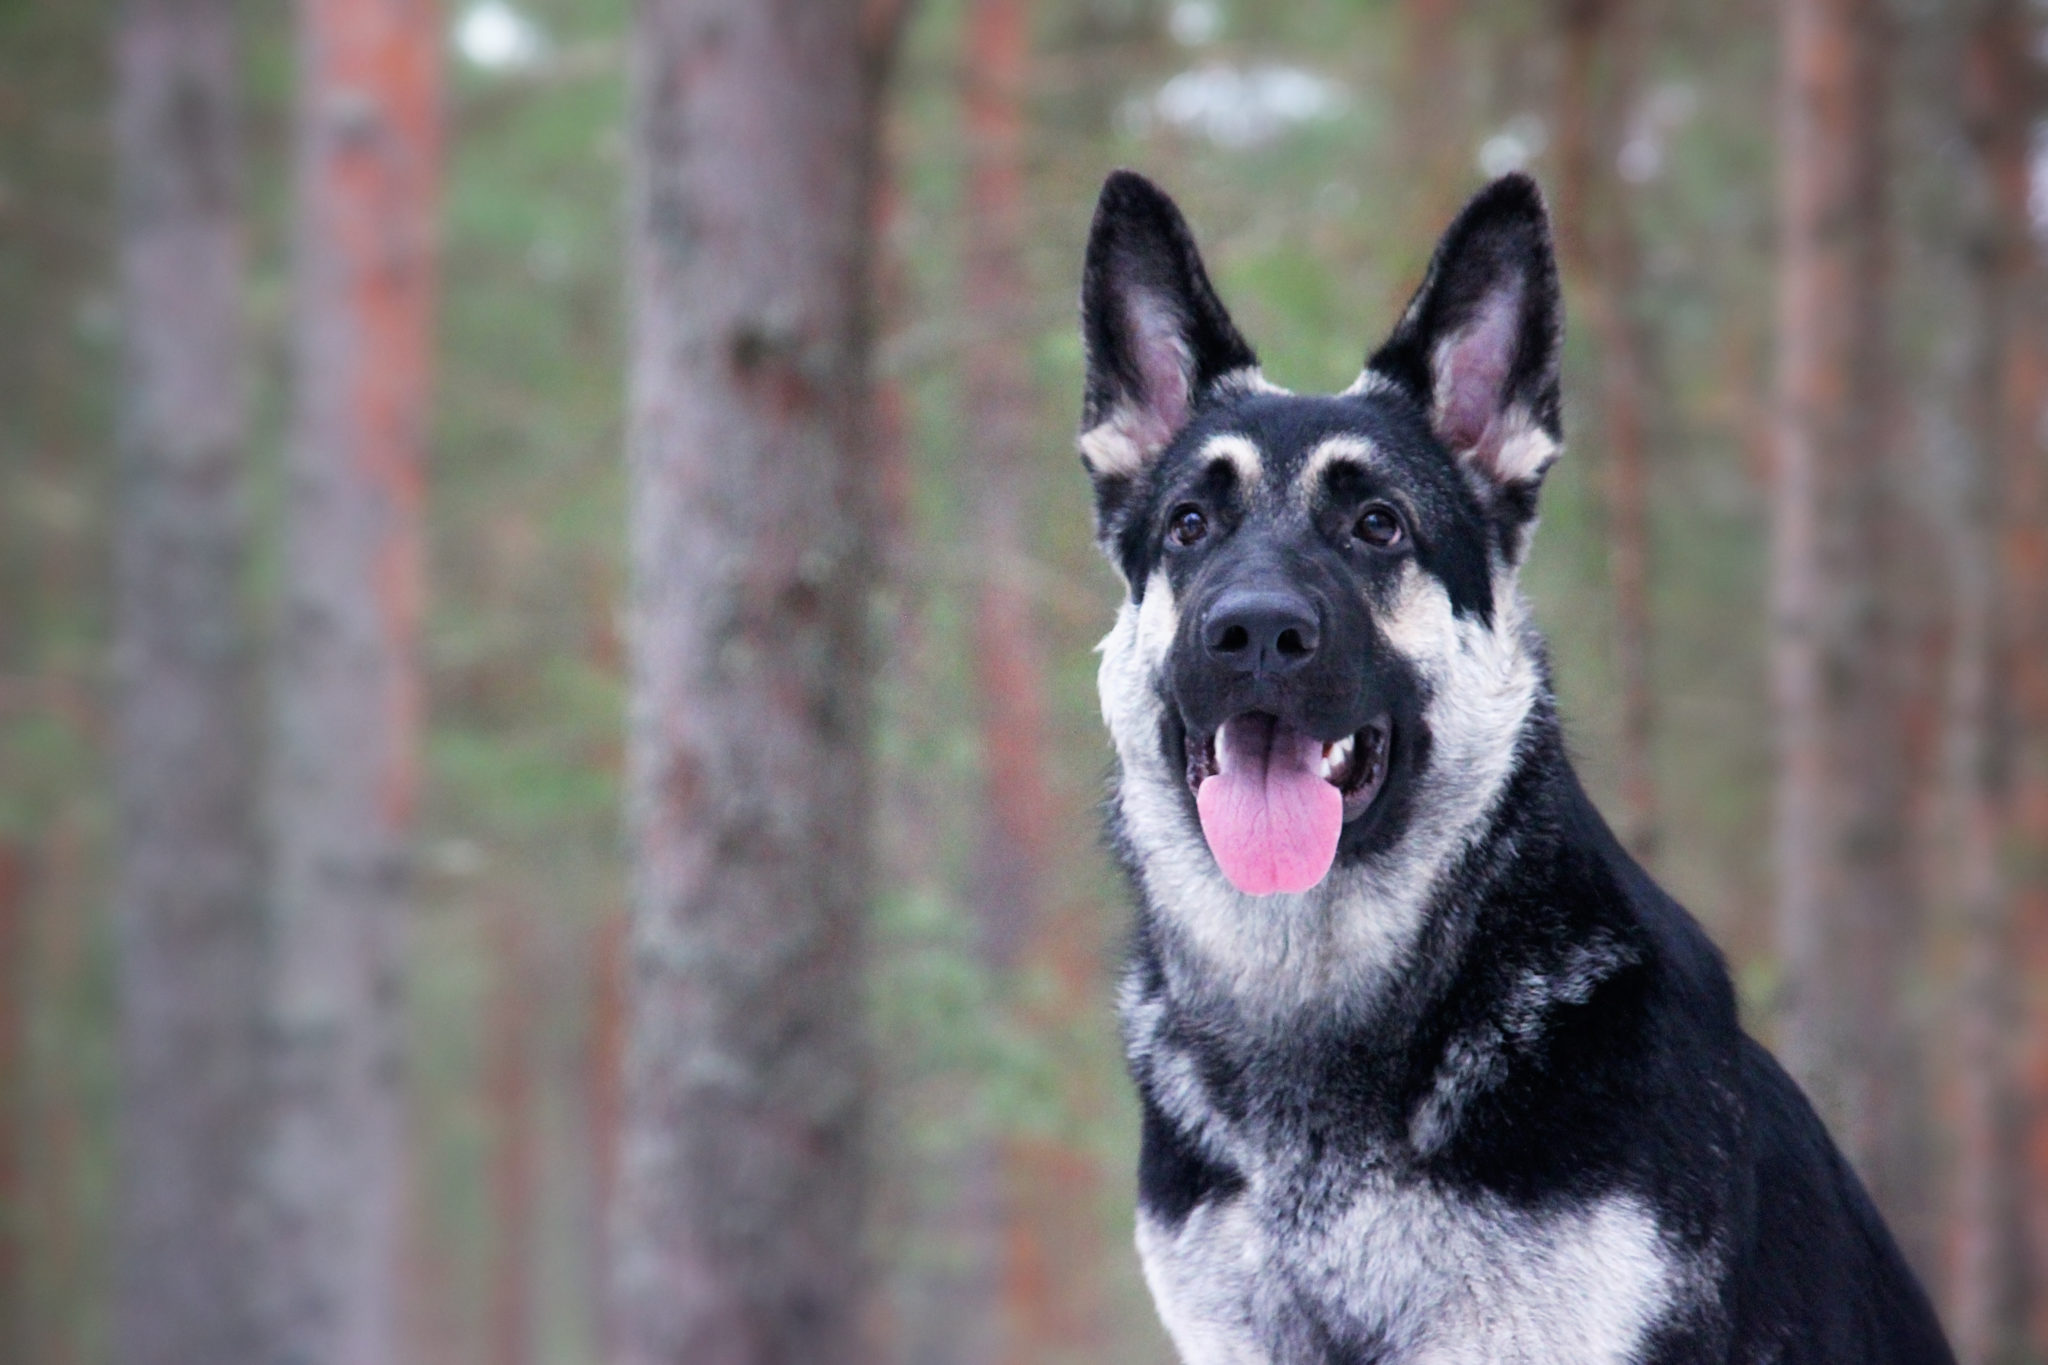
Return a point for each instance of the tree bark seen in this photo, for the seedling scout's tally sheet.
(14, 1111)
(186, 893)
(1036, 1188)
(1846, 902)
(738, 1214)
(1987, 1230)
(1581, 145)
(603, 1095)
(511, 1038)
(1598, 238)
(2015, 87)
(344, 764)
(1433, 143)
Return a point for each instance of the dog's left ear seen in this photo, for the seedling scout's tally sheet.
(1158, 339)
(1479, 349)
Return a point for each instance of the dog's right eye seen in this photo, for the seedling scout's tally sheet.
(1378, 525)
(1188, 523)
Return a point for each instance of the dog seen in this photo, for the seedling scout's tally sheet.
(1429, 1069)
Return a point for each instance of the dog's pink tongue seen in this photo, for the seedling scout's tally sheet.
(1270, 818)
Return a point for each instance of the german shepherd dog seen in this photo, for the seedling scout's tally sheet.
(1430, 1069)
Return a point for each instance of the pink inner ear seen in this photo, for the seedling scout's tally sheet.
(1472, 371)
(1163, 365)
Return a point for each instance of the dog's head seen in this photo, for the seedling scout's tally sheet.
(1322, 662)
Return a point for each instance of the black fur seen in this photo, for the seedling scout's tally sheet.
(1548, 1040)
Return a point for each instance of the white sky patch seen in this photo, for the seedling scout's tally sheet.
(1650, 127)
(1515, 146)
(1239, 107)
(1195, 23)
(494, 36)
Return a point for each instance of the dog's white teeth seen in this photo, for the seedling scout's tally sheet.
(1219, 754)
(1335, 756)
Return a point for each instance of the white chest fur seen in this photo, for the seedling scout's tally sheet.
(1430, 1278)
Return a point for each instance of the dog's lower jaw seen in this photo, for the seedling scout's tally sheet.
(1345, 938)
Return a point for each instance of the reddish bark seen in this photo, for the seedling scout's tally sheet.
(605, 1051)
(1009, 657)
(344, 752)
(186, 889)
(737, 1218)
(1045, 1285)
(1846, 908)
(1983, 1234)
(1598, 239)
(2014, 88)
(511, 1035)
(1580, 145)
(1432, 137)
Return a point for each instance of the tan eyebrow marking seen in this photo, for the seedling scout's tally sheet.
(1240, 452)
(1334, 450)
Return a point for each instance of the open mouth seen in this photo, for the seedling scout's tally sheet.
(1355, 765)
(1273, 800)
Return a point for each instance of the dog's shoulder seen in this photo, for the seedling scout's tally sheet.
(1816, 1275)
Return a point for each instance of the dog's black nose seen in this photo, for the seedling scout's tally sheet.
(1261, 631)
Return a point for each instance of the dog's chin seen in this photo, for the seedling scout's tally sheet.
(1355, 765)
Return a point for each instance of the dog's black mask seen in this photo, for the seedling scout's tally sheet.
(1305, 539)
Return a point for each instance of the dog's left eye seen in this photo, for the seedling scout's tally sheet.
(1379, 525)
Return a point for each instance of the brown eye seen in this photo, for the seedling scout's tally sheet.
(1189, 525)
(1378, 525)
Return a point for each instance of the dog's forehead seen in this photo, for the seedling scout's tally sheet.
(1287, 444)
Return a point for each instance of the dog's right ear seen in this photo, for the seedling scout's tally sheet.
(1157, 338)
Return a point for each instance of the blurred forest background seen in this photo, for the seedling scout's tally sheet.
(1794, 568)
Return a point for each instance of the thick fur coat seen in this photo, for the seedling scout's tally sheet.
(1431, 1070)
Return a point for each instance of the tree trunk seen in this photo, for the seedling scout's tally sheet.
(738, 1214)
(1434, 148)
(1846, 903)
(186, 892)
(511, 1038)
(1597, 234)
(604, 1051)
(14, 1111)
(1987, 1253)
(2016, 88)
(344, 764)
(1581, 145)
(1045, 1277)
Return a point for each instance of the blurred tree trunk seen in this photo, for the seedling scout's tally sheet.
(1581, 145)
(1008, 653)
(2015, 86)
(1846, 908)
(1433, 144)
(1602, 253)
(737, 1221)
(1984, 1240)
(511, 1037)
(186, 893)
(344, 762)
(66, 1290)
(2005, 331)
(605, 1052)
(14, 1090)
(1035, 1188)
